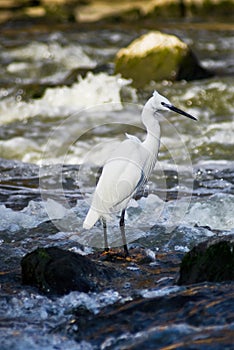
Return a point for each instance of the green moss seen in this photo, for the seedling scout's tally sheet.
(209, 8)
(42, 253)
(155, 65)
(60, 12)
(167, 10)
(214, 264)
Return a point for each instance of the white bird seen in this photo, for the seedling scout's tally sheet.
(129, 168)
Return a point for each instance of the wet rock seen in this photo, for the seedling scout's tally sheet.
(56, 271)
(157, 56)
(212, 261)
(118, 11)
(189, 8)
(151, 323)
(71, 78)
(127, 11)
(62, 10)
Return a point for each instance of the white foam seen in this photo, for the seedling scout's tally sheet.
(18, 147)
(93, 302)
(215, 212)
(157, 293)
(67, 56)
(29, 217)
(13, 221)
(221, 133)
(93, 90)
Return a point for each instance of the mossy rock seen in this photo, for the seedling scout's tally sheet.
(157, 56)
(211, 261)
(60, 10)
(211, 8)
(167, 9)
(56, 271)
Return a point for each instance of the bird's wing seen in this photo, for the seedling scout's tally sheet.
(121, 176)
(133, 138)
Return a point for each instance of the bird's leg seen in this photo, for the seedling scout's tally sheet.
(105, 235)
(122, 230)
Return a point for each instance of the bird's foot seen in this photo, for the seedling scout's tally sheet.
(114, 254)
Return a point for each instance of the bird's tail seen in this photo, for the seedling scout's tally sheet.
(91, 218)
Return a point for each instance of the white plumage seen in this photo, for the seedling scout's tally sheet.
(130, 165)
(120, 178)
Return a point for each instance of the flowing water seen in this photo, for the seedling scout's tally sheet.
(62, 111)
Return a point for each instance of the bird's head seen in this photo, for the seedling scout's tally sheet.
(160, 103)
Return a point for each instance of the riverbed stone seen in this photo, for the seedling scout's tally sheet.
(211, 261)
(56, 271)
(156, 56)
(116, 12)
(62, 10)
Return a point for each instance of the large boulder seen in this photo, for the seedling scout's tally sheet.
(56, 271)
(157, 56)
(212, 261)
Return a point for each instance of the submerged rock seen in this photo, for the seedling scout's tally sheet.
(157, 56)
(211, 261)
(56, 271)
(162, 321)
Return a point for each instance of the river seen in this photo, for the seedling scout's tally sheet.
(62, 111)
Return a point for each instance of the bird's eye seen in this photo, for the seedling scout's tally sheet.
(163, 103)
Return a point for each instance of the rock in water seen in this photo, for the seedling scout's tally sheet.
(57, 271)
(211, 261)
(157, 56)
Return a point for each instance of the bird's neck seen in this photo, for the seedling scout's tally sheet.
(151, 123)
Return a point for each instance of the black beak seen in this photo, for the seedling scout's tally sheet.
(177, 110)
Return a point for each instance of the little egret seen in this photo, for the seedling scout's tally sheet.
(128, 169)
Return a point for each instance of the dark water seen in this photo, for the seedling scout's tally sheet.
(191, 194)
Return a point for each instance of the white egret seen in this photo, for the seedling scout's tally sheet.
(129, 168)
